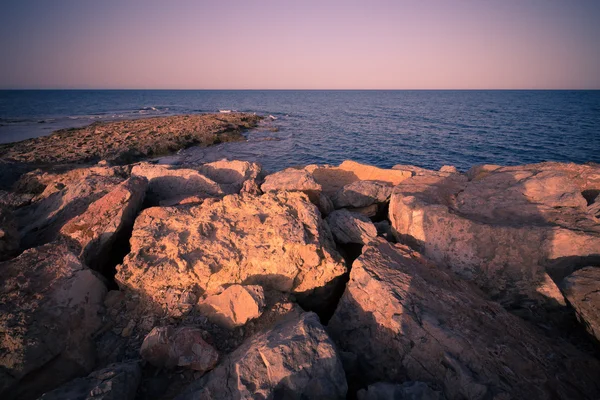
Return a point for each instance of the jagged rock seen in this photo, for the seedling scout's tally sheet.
(348, 227)
(95, 231)
(64, 197)
(9, 235)
(407, 319)
(294, 360)
(115, 382)
(362, 194)
(233, 175)
(368, 211)
(405, 391)
(451, 169)
(12, 200)
(418, 171)
(277, 240)
(169, 347)
(49, 305)
(235, 306)
(582, 290)
(166, 182)
(505, 228)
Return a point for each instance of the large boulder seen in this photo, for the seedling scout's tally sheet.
(232, 175)
(295, 359)
(115, 382)
(59, 199)
(49, 310)
(166, 182)
(349, 227)
(105, 221)
(277, 240)
(9, 235)
(407, 319)
(169, 347)
(582, 290)
(506, 228)
(235, 306)
(362, 194)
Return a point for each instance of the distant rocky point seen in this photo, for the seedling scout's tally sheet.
(219, 281)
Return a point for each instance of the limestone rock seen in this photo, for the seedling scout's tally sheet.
(505, 228)
(362, 194)
(95, 231)
(166, 182)
(9, 235)
(235, 306)
(63, 198)
(294, 360)
(49, 305)
(277, 240)
(368, 211)
(348, 227)
(332, 179)
(291, 180)
(407, 319)
(115, 382)
(169, 347)
(449, 169)
(582, 290)
(405, 391)
(418, 171)
(233, 175)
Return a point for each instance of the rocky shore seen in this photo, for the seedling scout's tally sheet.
(219, 281)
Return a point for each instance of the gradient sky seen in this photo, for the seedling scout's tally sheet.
(305, 44)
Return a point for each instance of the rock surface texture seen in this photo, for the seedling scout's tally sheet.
(115, 382)
(406, 319)
(405, 391)
(278, 241)
(294, 360)
(235, 306)
(349, 227)
(49, 310)
(506, 228)
(362, 194)
(582, 290)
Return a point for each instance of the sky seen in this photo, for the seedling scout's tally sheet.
(305, 44)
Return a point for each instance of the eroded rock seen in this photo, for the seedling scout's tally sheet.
(235, 306)
(582, 290)
(293, 360)
(277, 240)
(232, 176)
(362, 194)
(115, 382)
(348, 227)
(95, 231)
(49, 305)
(505, 228)
(406, 319)
(169, 347)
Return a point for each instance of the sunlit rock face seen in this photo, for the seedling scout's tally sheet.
(505, 228)
(406, 319)
(49, 310)
(295, 359)
(276, 240)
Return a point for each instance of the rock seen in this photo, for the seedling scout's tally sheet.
(166, 182)
(277, 240)
(182, 200)
(294, 360)
(480, 171)
(291, 180)
(115, 382)
(368, 211)
(9, 235)
(582, 290)
(418, 171)
(362, 194)
(12, 200)
(451, 169)
(405, 391)
(348, 227)
(49, 305)
(407, 319)
(235, 306)
(106, 220)
(232, 176)
(63, 198)
(170, 347)
(332, 179)
(504, 229)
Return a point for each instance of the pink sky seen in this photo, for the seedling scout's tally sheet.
(265, 44)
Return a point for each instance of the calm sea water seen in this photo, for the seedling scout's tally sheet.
(384, 128)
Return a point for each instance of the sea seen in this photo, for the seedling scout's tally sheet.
(383, 128)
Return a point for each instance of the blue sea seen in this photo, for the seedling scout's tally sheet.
(383, 128)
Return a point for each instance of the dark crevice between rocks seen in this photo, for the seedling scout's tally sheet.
(119, 249)
(590, 196)
(335, 290)
(382, 212)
